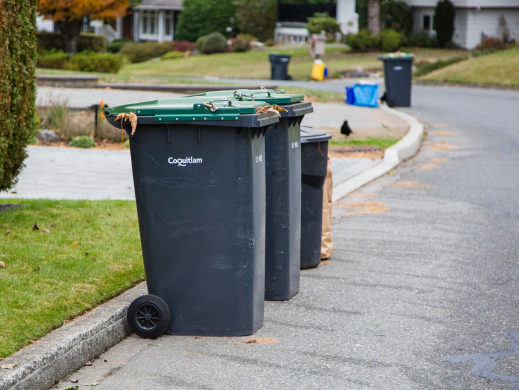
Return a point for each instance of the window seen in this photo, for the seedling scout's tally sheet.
(427, 22)
(168, 21)
(149, 22)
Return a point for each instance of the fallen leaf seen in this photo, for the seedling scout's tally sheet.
(93, 258)
(75, 243)
(440, 160)
(8, 232)
(440, 125)
(86, 253)
(93, 384)
(326, 262)
(35, 227)
(51, 226)
(89, 363)
(131, 117)
(13, 192)
(45, 231)
(370, 210)
(74, 381)
(446, 133)
(443, 147)
(52, 293)
(261, 340)
(428, 167)
(411, 184)
(88, 221)
(2, 264)
(109, 214)
(7, 366)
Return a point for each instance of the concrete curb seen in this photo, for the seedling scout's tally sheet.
(41, 364)
(394, 155)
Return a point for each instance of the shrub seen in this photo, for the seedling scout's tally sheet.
(431, 67)
(362, 41)
(172, 55)
(201, 17)
(88, 61)
(489, 43)
(145, 51)
(82, 142)
(116, 45)
(396, 15)
(184, 46)
(200, 43)
(422, 39)
(87, 42)
(214, 43)
(17, 86)
(242, 42)
(390, 40)
(323, 22)
(52, 59)
(444, 22)
(257, 18)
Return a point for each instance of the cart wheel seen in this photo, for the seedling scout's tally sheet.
(149, 316)
(390, 103)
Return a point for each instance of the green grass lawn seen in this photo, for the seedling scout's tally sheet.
(499, 68)
(381, 142)
(91, 253)
(255, 64)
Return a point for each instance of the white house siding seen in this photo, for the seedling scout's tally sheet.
(462, 22)
(418, 14)
(346, 16)
(486, 21)
(44, 25)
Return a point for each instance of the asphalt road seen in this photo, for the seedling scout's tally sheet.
(425, 269)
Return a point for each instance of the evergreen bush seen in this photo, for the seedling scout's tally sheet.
(444, 22)
(202, 17)
(362, 41)
(52, 59)
(88, 61)
(87, 42)
(214, 43)
(390, 40)
(145, 51)
(242, 42)
(200, 43)
(396, 15)
(17, 86)
(323, 22)
(82, 141)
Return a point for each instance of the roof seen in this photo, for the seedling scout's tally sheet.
(467, 3)
(161, 4)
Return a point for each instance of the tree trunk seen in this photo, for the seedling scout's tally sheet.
(374, 16)
(70, 30)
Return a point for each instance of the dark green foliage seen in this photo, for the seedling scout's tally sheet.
(17, 86)
(422, 39)
(257, 18)
(144, 51)
(444, 22)
(362, 41)
(82, 141)
(117, 45)
(396, 15)
(52, 59)
(87, 42)
(361, 7)
(323, 22)
(491, 43)
(202, 17)
(214, 43)
(428, 68)
(242, 42)
(390, 40)
(88, 61)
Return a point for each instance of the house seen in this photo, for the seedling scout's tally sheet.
(474, 19)
(155, 20)
(293, 16)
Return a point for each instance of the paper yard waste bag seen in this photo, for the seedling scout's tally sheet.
(326, 239)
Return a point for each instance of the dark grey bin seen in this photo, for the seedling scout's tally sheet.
(398, 80)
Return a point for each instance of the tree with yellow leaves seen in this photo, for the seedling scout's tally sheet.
(69, 14)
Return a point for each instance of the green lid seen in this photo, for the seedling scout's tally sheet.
(396, 56)
(196, 108)
(248, 95)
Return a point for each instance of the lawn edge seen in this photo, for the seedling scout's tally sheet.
(465, 85)
(66, 349)
(404, 149)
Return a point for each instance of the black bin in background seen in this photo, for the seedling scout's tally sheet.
(397, 77)
(279, 66)
(200, 192)
(314, 164)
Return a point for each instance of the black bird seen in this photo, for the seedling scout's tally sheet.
(345, 129)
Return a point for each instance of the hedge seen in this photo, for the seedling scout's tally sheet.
(17, 86)
(86, 61)
(87, 42)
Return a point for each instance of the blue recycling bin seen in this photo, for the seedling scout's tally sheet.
(366, 95)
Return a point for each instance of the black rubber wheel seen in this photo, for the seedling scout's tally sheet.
(149, 316)
(390, 103)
